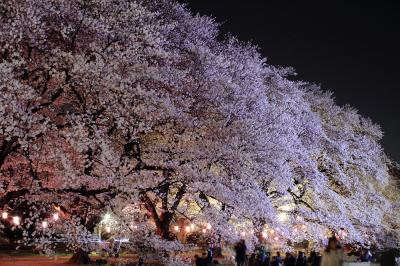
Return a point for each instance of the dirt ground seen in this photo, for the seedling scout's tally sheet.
(33, 261)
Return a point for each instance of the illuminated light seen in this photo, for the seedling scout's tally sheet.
(192, 226)
(208, 226)
(44, 224)
(176, 228)
(16, 220)
(276, 238)
(4, 215)
(56, 216)
(272, 231)
(264, 234)
(57, 208)
(204, 231)
(108, 229)
(243, 234)
(107, 217)
(187, 229)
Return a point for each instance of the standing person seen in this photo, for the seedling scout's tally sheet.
(279, 260)
(267, 260)
(261, 255)
(367, 256)
(240, 250)
(301, 259)
(274, 262)
(333, 255)
(210, 254)
(290, 260)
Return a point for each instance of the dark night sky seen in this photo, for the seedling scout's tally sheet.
(351, 48)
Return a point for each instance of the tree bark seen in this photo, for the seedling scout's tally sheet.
(80, 257)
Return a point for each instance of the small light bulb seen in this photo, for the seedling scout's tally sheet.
(108, 229)
(176, 228)
(16, 220)
(4, 215)
(44, 224)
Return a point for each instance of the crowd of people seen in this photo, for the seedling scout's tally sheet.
(333, 255)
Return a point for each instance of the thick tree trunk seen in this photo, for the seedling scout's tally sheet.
(163, 226)
(80, 257)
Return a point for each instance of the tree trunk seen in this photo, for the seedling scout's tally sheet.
(80, 257)
(163, 227)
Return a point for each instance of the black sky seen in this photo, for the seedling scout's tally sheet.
(351, 48)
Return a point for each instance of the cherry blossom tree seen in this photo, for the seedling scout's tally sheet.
(139, 109)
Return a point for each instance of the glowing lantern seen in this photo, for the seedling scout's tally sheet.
(107, 217)
(16, 220)
(44, 224)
